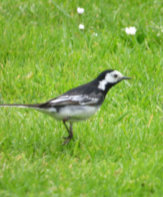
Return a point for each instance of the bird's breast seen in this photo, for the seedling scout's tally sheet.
(74, 113)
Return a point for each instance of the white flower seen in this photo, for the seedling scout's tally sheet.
(81, 26)
(80, 10)
(130, 30)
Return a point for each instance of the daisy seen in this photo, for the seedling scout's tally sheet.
(81, 27)
(130, 30)
(80, 10)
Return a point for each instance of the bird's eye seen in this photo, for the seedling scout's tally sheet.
(115, 75)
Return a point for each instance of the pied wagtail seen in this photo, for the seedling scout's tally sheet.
(78, 103)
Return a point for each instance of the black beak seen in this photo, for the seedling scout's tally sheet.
(126, 78)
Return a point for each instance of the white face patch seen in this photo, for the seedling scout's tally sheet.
(112, 77)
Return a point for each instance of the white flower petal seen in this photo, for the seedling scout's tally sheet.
(80, 10)
(130, 30)
(81, 26)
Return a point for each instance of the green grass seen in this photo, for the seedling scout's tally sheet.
(119, 151)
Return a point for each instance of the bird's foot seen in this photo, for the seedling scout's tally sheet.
(67, 140)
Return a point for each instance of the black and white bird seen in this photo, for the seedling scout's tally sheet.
(78, 103)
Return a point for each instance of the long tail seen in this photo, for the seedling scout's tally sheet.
(34, 106)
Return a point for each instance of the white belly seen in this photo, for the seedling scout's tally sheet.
(74, 113)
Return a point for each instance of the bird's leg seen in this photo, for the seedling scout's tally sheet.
(64, 122)
(70, 132)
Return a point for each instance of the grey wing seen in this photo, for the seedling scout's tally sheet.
(73, 100)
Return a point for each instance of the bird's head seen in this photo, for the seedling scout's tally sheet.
(109, 78)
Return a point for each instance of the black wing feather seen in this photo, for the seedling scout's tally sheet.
(82, 95)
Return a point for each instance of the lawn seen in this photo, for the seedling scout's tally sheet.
(117, 152)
